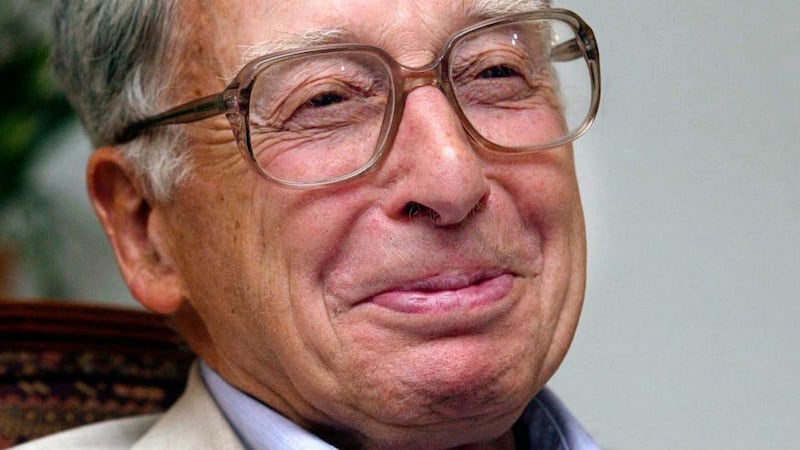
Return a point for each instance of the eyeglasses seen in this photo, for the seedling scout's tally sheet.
(327, 114)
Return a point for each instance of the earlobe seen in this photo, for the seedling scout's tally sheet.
(133, 226)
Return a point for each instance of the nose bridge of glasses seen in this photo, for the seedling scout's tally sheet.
(414, 78)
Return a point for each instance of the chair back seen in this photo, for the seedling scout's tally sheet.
(65, 364)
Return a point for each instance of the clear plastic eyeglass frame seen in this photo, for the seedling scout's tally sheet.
(234, 101)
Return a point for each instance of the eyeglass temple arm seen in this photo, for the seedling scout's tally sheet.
(566, 51)
(195, 110)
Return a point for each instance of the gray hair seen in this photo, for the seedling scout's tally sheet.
(110, 58)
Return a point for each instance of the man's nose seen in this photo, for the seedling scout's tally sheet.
(435, 172)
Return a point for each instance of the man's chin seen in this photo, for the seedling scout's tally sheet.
(449, 386)
(457, 432)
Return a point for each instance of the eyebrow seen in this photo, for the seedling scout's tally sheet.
(487, 9)
(332, 35)
(475, 11)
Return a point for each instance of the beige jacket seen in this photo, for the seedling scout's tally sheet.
(194, 422)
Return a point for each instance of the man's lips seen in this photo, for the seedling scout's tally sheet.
(446, 293)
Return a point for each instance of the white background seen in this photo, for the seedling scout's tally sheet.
(691, 328)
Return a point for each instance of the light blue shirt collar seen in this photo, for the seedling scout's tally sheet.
(546, 423)
(258, 426)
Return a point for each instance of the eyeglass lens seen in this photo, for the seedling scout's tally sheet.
(317, 117)
(510, 89)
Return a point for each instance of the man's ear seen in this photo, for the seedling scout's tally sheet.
(131, 223)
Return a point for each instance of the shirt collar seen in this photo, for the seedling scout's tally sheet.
(258, 426)
(545, 424)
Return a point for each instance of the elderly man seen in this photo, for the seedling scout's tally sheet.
(363, 215)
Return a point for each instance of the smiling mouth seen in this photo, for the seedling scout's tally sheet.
(445, 294)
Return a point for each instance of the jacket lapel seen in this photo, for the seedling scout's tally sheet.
(194, 421)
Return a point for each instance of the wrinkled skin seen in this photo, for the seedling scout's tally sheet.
(278, 289)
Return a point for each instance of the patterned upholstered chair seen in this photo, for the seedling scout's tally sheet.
(65, 364)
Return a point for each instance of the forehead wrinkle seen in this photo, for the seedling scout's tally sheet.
(474, 10)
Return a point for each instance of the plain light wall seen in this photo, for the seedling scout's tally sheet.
(691, 327)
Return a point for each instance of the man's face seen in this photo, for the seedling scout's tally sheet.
(343, 308)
